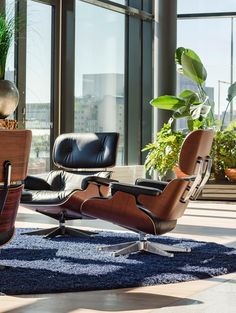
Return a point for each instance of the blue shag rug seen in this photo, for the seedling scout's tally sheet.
(73, 264)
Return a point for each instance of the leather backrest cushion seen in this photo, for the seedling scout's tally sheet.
(85, 150)
(61, 180)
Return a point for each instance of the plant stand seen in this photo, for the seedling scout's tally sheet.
(219, 190)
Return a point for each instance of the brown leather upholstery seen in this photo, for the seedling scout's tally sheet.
(15, 150)
(156, 213)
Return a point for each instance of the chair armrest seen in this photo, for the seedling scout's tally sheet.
(134, 189)
(151, 183)
(96, 180)
(36, 183)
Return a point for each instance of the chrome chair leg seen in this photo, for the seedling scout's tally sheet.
(143, 245)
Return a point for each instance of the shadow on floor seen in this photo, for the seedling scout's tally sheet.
(109, 301)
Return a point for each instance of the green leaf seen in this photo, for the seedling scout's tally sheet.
(193, 67)
(189, 95)
(190, 124)
(231, 92)
(178, 55)
(205, 110)
(168, 103)
(195, 111)
(182, 112)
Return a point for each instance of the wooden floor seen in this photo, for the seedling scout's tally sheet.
(209, 221)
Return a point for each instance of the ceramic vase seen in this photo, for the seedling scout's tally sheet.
(9, 98)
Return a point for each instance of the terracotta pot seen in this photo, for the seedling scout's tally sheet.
(8, 124)
(9, 98)
(230, 173)
(179, 173)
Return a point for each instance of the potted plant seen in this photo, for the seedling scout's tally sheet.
(9, 95)
(193, 106)
(224, 153)
(224, 146)
(163, 151)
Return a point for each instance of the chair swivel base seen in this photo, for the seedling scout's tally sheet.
(4, 267)
(61, 231)
(143, 245)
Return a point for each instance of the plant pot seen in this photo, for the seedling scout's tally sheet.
(9, 98)
(230, 173)
(8, 124)
(179, 173)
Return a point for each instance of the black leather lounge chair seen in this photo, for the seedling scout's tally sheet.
(82, 160)
(13, 162)
(152, 207)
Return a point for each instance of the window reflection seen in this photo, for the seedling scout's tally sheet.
(38, 84)
(214, 48)
(99, 71)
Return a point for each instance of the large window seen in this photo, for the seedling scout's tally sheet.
(205, 6)
(38, 83)
(83, 66)
(99, 71)
(213, 38)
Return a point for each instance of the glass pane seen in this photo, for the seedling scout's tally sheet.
(38, 84)
(99, 71)
(214, 48)
(203, 6)
(124, 2)
(10, 66)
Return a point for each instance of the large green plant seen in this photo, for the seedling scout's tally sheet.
(194, 106)
(7, 26)
(164, 151)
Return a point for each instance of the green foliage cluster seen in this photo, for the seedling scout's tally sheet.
(197, 109)
(163, 152)
(7, 28)
(224, 150)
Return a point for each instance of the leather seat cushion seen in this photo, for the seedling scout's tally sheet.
(49, 197)
(59, 185)
(61, 180)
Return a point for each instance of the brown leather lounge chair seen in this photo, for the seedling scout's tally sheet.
(13, 162)
(82, 160)
(152, 207)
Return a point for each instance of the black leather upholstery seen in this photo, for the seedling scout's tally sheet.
(58, 186)
(85, 150)
(134, 190)
(151, 183)
(82, 159)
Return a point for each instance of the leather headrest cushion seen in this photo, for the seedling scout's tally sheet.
(85, 150)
